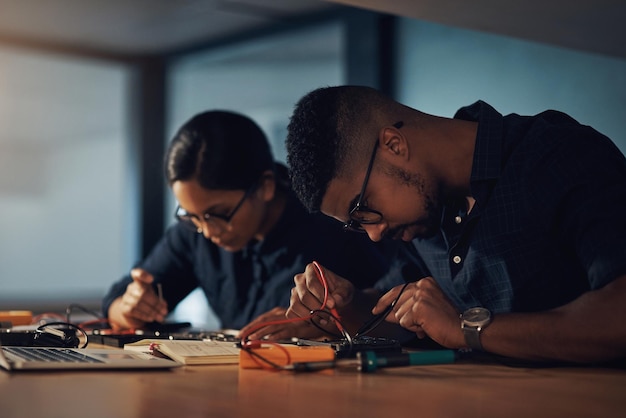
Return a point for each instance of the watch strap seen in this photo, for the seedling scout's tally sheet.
(472, 337)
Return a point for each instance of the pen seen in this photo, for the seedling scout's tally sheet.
(369, 361)
(160, 291)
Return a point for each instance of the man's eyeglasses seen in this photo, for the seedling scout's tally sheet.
(360, 214)
(214, 220)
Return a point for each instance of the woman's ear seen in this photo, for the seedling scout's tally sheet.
(267, 185)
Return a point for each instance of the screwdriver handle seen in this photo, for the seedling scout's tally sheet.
(370, 361)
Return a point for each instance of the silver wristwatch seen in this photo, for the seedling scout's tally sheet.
(473, 321)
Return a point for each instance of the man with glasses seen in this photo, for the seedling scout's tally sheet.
(513, 224)
(241, 234)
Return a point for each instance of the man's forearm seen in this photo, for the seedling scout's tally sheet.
(587, 330)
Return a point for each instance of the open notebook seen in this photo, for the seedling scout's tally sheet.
(44, 358)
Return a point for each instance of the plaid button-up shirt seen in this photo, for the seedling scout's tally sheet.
(549, 220)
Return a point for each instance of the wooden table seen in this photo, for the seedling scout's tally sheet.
(457, 390)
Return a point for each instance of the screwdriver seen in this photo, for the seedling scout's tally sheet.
(369, 361)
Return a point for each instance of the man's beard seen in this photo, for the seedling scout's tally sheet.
(426, 226)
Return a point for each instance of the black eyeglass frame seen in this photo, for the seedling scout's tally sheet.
(371, 216)
(212, 217)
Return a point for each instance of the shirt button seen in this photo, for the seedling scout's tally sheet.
(456, 259)
(458, 219)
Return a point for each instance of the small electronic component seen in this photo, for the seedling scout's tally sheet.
(349, 348)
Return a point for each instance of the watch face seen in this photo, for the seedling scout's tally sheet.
(476, 316)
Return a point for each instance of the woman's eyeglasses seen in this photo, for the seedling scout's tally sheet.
(214, 220)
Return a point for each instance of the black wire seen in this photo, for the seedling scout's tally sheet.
(375, 321)
(344, 333)
(367, 327)
(262, 358)
(68, 311)
(66, 324)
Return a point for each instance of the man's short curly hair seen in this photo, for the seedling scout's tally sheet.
(312, 140)
(325, 137)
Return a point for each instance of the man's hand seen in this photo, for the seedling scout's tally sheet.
(424, 309)
(308, 293)
(139, 304)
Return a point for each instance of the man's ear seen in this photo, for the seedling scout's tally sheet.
(394, 141)
(267, 185)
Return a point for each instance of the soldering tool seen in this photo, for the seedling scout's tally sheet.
(369, 361)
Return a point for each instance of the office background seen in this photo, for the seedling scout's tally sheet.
(82, 195)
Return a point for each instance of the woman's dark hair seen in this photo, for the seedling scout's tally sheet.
(221, 150)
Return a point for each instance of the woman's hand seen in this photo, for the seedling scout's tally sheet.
(139, 304)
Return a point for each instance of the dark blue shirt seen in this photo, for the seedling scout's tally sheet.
(549, 220)
(241, 285)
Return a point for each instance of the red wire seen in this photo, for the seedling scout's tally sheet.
(265, 324)
(322, 278)
(257, 343)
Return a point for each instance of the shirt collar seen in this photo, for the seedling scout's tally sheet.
(487, 161)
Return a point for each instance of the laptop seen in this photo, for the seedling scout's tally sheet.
(16, 358)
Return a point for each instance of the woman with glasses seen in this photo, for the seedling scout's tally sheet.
(241, 234)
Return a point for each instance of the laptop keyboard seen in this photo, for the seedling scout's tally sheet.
(51, 355)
